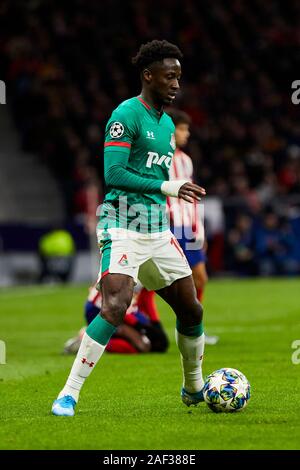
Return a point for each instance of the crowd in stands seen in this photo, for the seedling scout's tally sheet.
(67, 65)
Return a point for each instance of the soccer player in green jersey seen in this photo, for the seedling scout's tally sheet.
(133, 232)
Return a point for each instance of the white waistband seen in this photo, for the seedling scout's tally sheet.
(123, 233)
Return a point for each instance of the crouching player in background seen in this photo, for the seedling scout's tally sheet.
(140, 332)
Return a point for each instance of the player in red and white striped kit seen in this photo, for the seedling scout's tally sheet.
(185, 218)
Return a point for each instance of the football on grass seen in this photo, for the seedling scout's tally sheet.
(226, 390)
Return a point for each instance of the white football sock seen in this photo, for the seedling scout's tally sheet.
(191, 350)
(87, 357)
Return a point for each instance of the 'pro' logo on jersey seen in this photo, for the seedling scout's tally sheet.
(155, 159)
(116, 130)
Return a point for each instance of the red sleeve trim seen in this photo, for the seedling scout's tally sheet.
(117, 144)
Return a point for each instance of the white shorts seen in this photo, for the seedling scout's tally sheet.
(156, 259)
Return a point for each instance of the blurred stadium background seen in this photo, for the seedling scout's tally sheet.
(66, 65)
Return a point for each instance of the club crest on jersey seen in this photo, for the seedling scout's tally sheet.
(123, 261)
(116, 130)
(173, 142)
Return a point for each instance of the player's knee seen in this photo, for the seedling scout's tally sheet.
(197, 312)
(191, 314)
(113, 309)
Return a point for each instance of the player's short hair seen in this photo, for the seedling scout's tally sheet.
(179, 117)
(155, 51)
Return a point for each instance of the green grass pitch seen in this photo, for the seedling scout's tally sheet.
(133, 402)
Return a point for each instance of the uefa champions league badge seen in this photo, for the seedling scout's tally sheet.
(116, 130)
(173, 142)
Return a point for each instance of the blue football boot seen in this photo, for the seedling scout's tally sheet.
(191, 398)
(64, 406)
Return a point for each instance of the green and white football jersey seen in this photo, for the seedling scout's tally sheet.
(145, 140)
